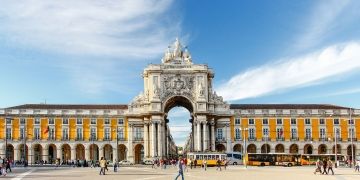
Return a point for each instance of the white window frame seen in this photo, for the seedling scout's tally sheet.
(237, 133)
(219, 133)
(324, 123)
(277, 123)
(309, 121)
(310, 133)
(51, 119)
(8, 132)
(322, 133)
(278, 135)
(121, 133)
(107, 133)
(292, 133)
(265, 132)
(253, 121)
(291, 121)
(354, 132)
(51, 133)
(93, 120)
(77, 133)
(237, 121)
(79, 120)
(120, 121)
(65, 120)
(35, 121)
(37, 133)
(252, 133)
(22, 120)
(107, 120)
(267, 121)
(337, 135)
(63, 130)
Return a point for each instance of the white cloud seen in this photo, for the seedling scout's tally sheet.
(293, 72)
(321, 22)
(344, 92)
(117, 28)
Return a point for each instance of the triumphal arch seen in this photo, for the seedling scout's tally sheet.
(177, 81)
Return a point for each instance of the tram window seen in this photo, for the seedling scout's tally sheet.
(191, 156)
(197, 157)
(217, 156)
(213, 157)
(201, 157)
(237, 156)
(222, 157)
(229, 155)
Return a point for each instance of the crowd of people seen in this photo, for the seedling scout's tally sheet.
(5, 166)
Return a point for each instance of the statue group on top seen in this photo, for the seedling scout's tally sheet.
(177, 54)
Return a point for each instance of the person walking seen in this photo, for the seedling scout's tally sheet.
(191, 163)
(102, 165)
(195, 163)
(116, 165)
(218, 164)
(180, 170)
(225, 163)
(357, 165)
(318, 166)
(7, 165)
(330, 165)
(324, 166)
(205, 164)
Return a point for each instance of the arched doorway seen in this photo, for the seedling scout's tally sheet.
(51, 153)
(139, 153)
(279, 148)
(80, 152)
(37, 153)
(108, 152)
(349, 151)
(322, 149)
(94, 152)
(10, 152)
(66, 152)
(338, 149)
(238, 148)
(220, 148)
(265, 148)
(21, 151)
(294, 148)
(251, 148)
(308, 149)
(122, 152)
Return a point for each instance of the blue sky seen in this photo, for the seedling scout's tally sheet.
(261, 51)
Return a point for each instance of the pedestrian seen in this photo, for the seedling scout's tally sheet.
(218, 164)
(324, 166)
(195, 163)
(225, 163)
(330, 165)
(153, 164)
(180, 170)
(191, 163)
(318, 166)
(205, 164)
(8, 165)
(102, 165)
(116, 164)
(357, 165)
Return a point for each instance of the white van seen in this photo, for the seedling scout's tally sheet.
(234, 158)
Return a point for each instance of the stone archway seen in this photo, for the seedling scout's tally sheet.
(308, 149)
(80, 152)
(94, 152)
(294, 149)
(338, 149)
(66, 152)
(322, 149)
(108, 152)
(238, 148)
(265, 148)
(220, 148)
(52, 150)
(37, 153)
(251, 148)
(10, 152)
(122, 152)
(279, 148)
(139, 153)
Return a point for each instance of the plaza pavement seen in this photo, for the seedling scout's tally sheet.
(146, 173)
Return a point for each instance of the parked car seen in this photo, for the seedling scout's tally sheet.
(148, 162)
(125, 162)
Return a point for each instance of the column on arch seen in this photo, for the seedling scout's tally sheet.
(146, 139)
(194, 138)
(130, 142)
(198, 134)
(205, 136)
(160, 134)
(228, 138)
(45, 153)
(73, 153)
(152, 138)
(212, 124)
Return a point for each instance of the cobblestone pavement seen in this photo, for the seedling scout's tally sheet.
(146, 173)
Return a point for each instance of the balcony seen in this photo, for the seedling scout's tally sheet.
(220, 140)
(238, 139)
(251, 139)
(338, 139)
(294, 139)
(280, 139)
(353, 139)
(121, 139)
(138, 139)
(308, 139)
(107, 139)
(323, 139)
(266, 139)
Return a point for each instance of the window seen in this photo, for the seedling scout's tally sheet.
(336, 122)
(251, 121)
(322, 121)
(120, 134)
(266, 132)
(22, 121)
(307, 133)
(121, 121)
(237, 121)
(107, 133)
(79, 133)
(219, 134)
(293, 121)
(8, 133)
(322, 133)
(37, 121)
(351, 133)
(51, 134)
(293, 133)
(65, 133)
(22, 133)
(93, 121)
(265, 121)
(138, 134)
(79, 121)
(65, 121)
(350, 121)
(37, 133)
(107, 121)
(279, 121)
(279, 133)
(307, 121)
(237, 133)
(93, 133)
(337, 133)
(51, 121)
(251, 133)
(8, 121)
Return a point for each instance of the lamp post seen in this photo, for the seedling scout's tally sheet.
(117, 143)
(245, 150)
(335, 147)
(352, 136)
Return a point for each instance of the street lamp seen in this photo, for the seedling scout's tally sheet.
(352, 136)
(117, 143)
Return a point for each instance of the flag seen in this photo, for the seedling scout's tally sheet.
(46, 130)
